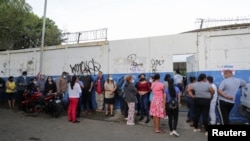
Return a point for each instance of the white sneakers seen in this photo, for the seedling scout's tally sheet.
(130, 123)
(197, 130)
(174, 133)
(206, 133)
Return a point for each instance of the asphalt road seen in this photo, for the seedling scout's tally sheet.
(18, 126)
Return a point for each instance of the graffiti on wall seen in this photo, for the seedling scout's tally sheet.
(156, 63)
(91, 66)
(136, 64)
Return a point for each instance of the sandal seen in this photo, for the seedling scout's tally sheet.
(160, 131)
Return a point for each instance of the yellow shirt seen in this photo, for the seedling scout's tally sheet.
(11, 86)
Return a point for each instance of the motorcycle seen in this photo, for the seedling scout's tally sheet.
(53, 105)
(31, 102)
(35, 102)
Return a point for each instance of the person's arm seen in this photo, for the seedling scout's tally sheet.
(91, 84)
(189, 91)
(221, 93)
(211, 90)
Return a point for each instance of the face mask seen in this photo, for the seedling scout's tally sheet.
(11, 80)
(64, 76)
(110, 78)
(132, 81)
(150, 80)
(85, 74)
(34, 82)
(49, 79)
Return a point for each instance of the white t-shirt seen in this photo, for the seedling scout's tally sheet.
(75, 92)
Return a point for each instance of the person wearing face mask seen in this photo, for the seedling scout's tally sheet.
(61, 84)
(50, 86)
(144, 89)
(109, 96)
(130, 97)
(21, 85)
(88, 82)
(10, 91)
(33, 87)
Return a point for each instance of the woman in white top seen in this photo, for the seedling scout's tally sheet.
(74, 90)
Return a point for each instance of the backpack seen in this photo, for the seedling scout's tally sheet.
(172, 104)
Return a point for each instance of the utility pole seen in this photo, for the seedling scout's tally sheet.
(43, 34)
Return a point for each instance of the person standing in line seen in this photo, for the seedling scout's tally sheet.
(157, 107)
(166, 78)
(88, 83)
(203, 94)
(212, 110)
(41, 83)
(61, 85)
(109, 96)
(10, 91)
(173, 92)
(74, 90)
(21, 85)
(99, 91)
(130, 97)
(190, 102)
(227, 91)
(144, 89)
(178, 79)
(79, 106)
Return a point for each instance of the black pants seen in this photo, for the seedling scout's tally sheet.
(201, 109)
(20, 98)
(87, 100)
(173, 119)
(224, 109)
(124, 107)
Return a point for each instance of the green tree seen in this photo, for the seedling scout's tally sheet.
(21, 28)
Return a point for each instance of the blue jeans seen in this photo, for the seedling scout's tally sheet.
(144, 105)
(191, 108)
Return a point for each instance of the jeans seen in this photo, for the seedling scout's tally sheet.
(144, 104)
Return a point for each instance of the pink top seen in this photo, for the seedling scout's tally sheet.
(157, 89)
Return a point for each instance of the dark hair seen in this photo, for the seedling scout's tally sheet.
(192, 78)
(156, 76)
(202, 77)
(171, 88)
(24, 72)
(11, 77)
(73, 81)
(210, 79)
(177, 71)
(167, 76)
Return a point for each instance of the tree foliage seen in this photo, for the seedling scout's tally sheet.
(21, 28)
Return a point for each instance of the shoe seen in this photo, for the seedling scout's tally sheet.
(197, 130)
(106, 114)
(130, 123)
(76, 121)
(141, 118)
(125, 118)
(159, 131)
(175, 133)
(188, 120)
(171, 133)
(206, 133)
(147, 121)
(166, 117)
(111, 115)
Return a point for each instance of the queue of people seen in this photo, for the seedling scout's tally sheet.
(149, 98)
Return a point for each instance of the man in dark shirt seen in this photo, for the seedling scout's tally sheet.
(88, 82)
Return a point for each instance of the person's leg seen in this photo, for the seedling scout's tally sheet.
(175, 118)
(126, 109)
(106, 109)
(212, 113)
(205, 112)
(197, 112)
(70, 118)
(84, 100)
(224, 111)
(146, 107)
(141, 108)
(170, 120)
(111, 109)
(90, 103)
(74, 108)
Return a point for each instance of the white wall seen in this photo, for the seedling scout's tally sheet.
(212, 50)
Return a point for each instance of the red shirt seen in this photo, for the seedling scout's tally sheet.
(143, 86)
(98, 87)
